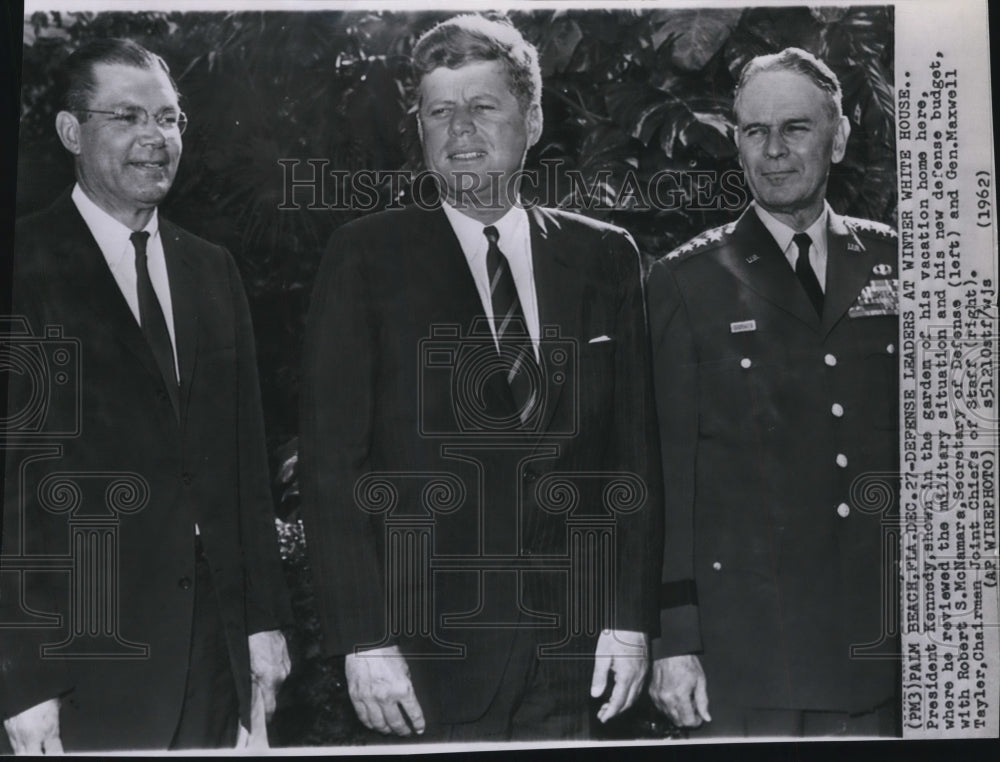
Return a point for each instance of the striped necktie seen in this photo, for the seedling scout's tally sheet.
(517, 355)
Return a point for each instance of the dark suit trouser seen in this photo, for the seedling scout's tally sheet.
(538, 699)
(210, 713)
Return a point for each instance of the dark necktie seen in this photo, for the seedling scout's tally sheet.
(807, 276)
(516, 352)
(154, 326)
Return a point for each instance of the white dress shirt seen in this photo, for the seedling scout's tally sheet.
(783, 234)
(113, 239)
(515, 243)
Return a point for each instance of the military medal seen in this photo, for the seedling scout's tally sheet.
(878, 298)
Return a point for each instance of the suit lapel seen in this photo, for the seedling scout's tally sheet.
(758, 262)
(184, 298)
(848, 268)
(439, 255)
(89, 277)
(558, 291)
(451, 296)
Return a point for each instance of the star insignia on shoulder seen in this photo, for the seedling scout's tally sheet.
(708, 237)
(861, 225)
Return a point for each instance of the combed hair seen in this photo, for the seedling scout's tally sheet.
(801, 62)
(75, 76)
(470, 38)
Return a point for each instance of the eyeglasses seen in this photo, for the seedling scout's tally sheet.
(133, 116)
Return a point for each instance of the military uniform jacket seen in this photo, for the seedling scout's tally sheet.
(780, 460)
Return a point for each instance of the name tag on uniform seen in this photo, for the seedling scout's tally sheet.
(742, 326)
(878, 298)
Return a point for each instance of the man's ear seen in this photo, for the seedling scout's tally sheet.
(68, 129)
(533, 123)
(841, 133)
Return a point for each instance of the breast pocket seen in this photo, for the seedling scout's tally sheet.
(595, 377)
(741, 380)
(880, 377)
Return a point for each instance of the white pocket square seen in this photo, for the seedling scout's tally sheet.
(599, 339)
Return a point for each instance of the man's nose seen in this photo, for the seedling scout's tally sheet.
(774, 145)
(152, 133)
(461, 122)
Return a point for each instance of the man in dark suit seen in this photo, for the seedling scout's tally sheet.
(142, 588)
(774, 345)
(479, 468)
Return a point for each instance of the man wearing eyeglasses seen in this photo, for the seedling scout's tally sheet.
(150, 614)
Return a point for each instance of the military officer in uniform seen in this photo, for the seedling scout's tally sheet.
(774, 351)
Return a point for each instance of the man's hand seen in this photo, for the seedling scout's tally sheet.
(35, 730)
(679, 690)
(379, 684)
(625, 653)
(269, 666)
(254, 739)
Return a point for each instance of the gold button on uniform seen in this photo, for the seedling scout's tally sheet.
(843, 510)
(745, 362)
(830, 360)
(837, 409)
(717, 566)
(891, 349)
(841, 460)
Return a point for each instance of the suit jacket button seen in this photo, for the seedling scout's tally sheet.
(841, 460)
(837, 409)
(843, 510)
(745, 363)
(184, 583)
(830, 360)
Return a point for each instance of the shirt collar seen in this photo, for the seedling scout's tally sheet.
(782, 233)
(470, 232)
(112, 237)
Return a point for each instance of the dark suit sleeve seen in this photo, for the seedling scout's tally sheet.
(25, 678)
(267, 606)
(338, 397)
(675, 373)
(639, 534)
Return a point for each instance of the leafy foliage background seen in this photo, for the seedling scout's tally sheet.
(627, 94)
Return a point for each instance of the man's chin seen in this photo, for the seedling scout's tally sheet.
(493, 199)
(486, 210)
(782, 203)
(152, 194)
